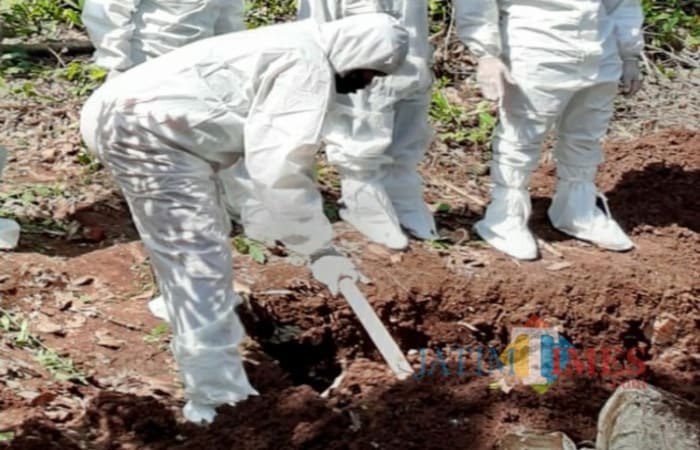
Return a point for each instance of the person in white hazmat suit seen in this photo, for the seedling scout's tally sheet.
(552, 64)
(377, 137)
(126, 33)
(165, 128)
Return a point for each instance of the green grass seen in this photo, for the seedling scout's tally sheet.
(60, 367)
(254, 249)
(24, 18)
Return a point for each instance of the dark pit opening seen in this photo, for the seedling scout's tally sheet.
(313, 363)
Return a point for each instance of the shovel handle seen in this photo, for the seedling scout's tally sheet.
(386, 345)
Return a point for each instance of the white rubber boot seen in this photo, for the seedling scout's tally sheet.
(574, 210)
(369, 209)
(504, 225)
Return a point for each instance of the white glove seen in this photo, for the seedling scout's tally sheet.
(492, 76)
(331, 267)
(631, 77)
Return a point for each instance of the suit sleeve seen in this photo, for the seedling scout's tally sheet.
(282, 137)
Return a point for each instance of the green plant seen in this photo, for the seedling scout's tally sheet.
(443, 208)
(157, 333)
(481, 134)
(266, 12)
(6, 436)
(23, 18)
(60, 367)
(254, 249)
(447, 117)
(672, 24)
(85, 77)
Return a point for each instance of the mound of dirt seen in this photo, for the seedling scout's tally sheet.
(435, 300)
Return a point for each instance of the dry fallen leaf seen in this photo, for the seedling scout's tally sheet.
(83, 281)
(47, 326)
(378, 250)
(43, 399)
(397, 258)
(75, 322)
(104, 339)
(64, 300)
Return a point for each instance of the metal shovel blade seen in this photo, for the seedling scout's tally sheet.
(377, 332)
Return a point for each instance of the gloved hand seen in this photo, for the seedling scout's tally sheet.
(330, 267)
(492, 76)
(631, 77)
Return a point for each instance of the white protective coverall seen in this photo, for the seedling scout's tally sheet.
(9, 229)
(566, 59)
(126, 33)
(165, 128)
(378, 136)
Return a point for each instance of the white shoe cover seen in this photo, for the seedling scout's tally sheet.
(574, 212)
(158, 309)
(9, 234)
(405, 189)
(504, 225)
(369, 210)
(199, 414)
(211, 368)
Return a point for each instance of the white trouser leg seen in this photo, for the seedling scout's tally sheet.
(578, 153)
(527, 113)
(176, 205)
(404, 185)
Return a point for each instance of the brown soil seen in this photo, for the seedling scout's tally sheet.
(431, 298)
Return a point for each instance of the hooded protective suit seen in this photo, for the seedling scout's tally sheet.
(559, 71)
(126, 33)
(378, 136)
(167, 127)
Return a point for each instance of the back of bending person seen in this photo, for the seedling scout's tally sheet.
(166, 128)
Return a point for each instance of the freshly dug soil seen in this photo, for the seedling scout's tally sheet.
(433, 300)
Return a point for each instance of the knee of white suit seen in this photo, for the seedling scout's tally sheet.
(578, 153)
(356, 138)
(412, 132)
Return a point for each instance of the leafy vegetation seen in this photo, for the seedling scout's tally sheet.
(254, 249)
(18, 330)
(24, 18)
(673, 24)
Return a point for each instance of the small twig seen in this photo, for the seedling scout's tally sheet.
(48, 48)
(120, 323)
(446, 47)
(550, 248)
(478, 201)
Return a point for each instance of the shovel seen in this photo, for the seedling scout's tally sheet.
(377, 332)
